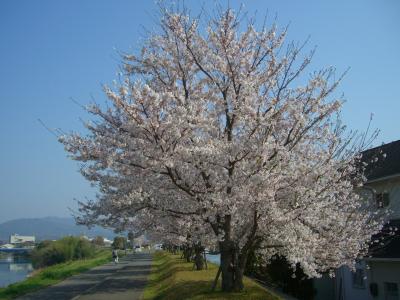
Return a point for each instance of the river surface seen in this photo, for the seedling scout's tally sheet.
(214, 258)
(13, 268)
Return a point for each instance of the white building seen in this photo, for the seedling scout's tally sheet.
(7, 246)
(20, 239)
(107, 242)
(377, 277)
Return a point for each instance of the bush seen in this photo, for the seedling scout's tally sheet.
(54, 252)
(299, 286)
(120, 242)
(279, 272)
(98, 241)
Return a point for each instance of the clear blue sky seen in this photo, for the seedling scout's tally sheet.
(51, 51)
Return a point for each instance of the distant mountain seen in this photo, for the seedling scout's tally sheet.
(49, 228)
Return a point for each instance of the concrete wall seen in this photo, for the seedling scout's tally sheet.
(384, 271)
(341, 287)
(349, 291)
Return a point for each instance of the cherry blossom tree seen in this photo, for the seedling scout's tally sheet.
(215, 128)
(125, 209)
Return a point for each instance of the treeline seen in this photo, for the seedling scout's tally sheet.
(48, 253)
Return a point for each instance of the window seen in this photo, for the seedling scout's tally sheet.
(391, 291)
(358, 279)
(382, 200)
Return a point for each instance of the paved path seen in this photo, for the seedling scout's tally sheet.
(125, 280)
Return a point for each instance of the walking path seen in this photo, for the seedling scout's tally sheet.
(126, 280)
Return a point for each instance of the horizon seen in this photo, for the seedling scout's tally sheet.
(53, 52)
(35, 218)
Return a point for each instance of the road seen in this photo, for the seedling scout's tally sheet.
(126, 280)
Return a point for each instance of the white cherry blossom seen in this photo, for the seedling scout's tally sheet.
(210, 136)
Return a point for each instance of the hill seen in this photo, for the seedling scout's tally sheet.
(49, 228)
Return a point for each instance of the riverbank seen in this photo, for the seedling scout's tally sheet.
(53, 274)
(172, 278)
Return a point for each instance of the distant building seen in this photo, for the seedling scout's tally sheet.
(21, 239)
(85, 237)
(7, 246)
(107, 242)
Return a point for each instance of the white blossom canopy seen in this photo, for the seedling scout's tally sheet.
(216, 129)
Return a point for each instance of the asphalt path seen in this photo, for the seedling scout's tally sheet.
(125, 280)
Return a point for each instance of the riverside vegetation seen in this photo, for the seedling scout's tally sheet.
(48, 253)
(56, 261)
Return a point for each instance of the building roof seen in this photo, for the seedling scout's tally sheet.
(388, 161)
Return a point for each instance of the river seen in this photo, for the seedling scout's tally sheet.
(214, 258)
(13, 268)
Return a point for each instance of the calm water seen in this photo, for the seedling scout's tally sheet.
(214, 258)
(13, 268)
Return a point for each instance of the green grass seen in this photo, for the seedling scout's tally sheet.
(53, 274)
(172, 278)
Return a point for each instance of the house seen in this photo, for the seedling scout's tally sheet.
(21, 239)
(376, 277)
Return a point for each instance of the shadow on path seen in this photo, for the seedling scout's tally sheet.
(125, 280)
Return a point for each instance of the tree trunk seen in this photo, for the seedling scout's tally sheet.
(205, 259)
(233, 259)
(227, 265)
(239, 271)
(187, 252)
(238, 283)
(216, 279)
(233, 263)
(199, 260)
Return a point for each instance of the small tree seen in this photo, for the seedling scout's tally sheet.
(131, 236)
(119, 243)
(98, 241)
(215, 129)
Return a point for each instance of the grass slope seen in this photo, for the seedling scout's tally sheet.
(53, 274)
(172, 278)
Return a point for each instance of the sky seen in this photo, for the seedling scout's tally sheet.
(55, 51)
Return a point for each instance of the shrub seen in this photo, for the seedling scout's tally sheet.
(279, 272)
(98, 241)
(69, 248)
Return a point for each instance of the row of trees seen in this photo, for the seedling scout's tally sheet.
(213, 136)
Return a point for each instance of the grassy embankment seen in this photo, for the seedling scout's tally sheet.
(53, 274)
(172, 278)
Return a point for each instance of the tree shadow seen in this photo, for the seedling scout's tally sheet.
(202, 289)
